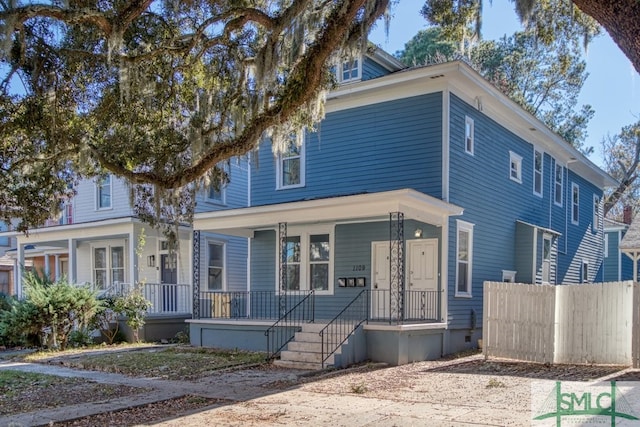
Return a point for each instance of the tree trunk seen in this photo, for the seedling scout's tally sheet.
(621, 19)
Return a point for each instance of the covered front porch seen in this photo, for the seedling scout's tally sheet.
(371, 262)
(112, 256)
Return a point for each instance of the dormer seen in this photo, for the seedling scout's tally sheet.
(370, 65)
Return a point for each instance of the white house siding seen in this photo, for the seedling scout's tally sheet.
(84, 203)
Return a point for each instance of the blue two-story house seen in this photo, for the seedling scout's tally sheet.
(381, 227)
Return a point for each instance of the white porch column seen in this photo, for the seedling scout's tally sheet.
(72, 247)
(19, 270)
(56, 267)
(133, 258)
(47, 269)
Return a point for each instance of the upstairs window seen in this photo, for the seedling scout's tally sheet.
(575, 203)
(596, 213)
(515, 167)
(103, 193)
(538, 162)
(468, 135)
(349, 70)
(291, 164)
(558, 179)
(215, 194)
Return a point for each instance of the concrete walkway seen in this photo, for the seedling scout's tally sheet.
(234, 386)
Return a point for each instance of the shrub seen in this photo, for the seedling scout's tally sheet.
(133, 306)
(50, 311)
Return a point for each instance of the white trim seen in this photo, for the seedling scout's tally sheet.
(361, 207)
(468, 123)
(444, 271)
(606, 245)
(620, 256)
(575, 204)
(446, 144)
(515, 160)
(540, 193)
(468, 228)
(305, 262)
(595, 227)
(583, 279)
(339, 67)
(557, 165)
(545, 237)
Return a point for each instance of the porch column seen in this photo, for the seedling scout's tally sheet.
(396, 266)
(47, 269)
(72, 246)
(282, 267)
(56, 267)
(133, 257)
(19, 270)
(195, 256)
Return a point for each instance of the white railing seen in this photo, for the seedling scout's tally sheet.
(587, 323)
(165, 298)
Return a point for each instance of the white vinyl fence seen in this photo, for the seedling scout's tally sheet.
(587, 323)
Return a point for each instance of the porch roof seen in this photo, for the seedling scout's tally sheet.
(362, 207)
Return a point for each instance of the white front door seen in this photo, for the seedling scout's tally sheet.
(423, 265)
(380, 280)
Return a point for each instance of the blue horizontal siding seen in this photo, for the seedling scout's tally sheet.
(381, 147)
(372, 70)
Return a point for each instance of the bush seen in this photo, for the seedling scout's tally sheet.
(133, 306)
(50, 311)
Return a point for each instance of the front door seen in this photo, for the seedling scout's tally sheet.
(421, 297)
(169, 280)
(380, 283)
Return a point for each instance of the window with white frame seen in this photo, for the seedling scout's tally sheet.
(103, 193)
(606, 245)
(575, 203)
(596, 213)
(538, 164)
(584, 274)
(515, 167)
(546, 258)
(349, 70)
(509, 276)
(309, 261)
(559, 181)
(291, 163)
(215, 267)
(468, 135)
(216, 194)
(108, 266)
(464, 258)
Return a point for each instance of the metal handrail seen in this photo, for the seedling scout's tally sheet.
(339, 325)
(291, 319)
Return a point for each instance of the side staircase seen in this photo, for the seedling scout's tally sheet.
(305, 350)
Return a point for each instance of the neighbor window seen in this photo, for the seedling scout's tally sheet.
(538, 162)
(291, 163)
(108, 266)
(508, 276)
(596, 213)
(464, 258)
(558, 179)
(309, 261)
(103, 193)
(215, 195)
(575, 203)
(585, 271)
(515, 167)
(546, 258)
(215, 274)
(468, 135)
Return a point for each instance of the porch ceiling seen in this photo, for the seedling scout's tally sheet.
(361, 207)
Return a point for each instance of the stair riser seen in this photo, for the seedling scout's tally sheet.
(308, 347)
(298, 365)
(296, 356)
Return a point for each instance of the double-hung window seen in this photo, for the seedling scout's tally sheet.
(215, 266)
(103, 193)
(538, 164)
(215, 194)
(464, 258)
(349, 70)
(468, 135)
(108, 266)
(559, 180)
(309, 261)
(291, 163)
(596, 213)
(575, 203)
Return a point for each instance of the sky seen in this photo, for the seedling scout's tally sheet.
(612, 88)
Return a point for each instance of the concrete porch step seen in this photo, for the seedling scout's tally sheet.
(306, 357)
(298, 365)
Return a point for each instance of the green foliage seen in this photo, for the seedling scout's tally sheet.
(427, 47)
(132, 306)
(50, 311)
(160, 93)
(621, 155)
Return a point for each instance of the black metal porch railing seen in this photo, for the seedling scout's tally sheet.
(418, 306)
(285, 328)
(343, 325)
(252, 305)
